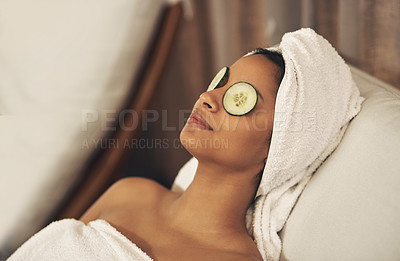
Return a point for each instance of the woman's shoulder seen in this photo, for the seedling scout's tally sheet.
(132, 192)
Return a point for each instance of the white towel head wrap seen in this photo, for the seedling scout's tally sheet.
(315, 102)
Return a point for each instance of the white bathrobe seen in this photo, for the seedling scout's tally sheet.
(72, 240)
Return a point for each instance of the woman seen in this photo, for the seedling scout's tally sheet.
(216, 217)
(207, 221)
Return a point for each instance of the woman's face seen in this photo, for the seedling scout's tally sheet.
(211, 134)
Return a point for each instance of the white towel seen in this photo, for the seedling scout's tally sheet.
(315, 102)
(70, 239)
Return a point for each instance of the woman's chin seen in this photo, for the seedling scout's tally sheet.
(195, 143)
(206, 149)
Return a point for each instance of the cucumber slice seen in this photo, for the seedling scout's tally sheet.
(219, 79)
(240, 99)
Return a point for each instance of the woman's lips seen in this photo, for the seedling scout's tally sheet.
(196, 119)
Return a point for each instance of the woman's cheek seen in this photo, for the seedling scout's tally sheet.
(260, 121)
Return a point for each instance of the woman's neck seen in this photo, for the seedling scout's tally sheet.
(216, 202)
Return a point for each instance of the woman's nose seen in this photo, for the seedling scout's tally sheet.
(209, 101)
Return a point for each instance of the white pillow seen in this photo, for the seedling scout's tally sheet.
(185, 176)
(350, 208)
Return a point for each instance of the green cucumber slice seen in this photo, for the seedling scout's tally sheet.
(240, 99)
(219, 79)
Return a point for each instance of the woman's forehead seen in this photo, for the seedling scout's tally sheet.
(256, 70)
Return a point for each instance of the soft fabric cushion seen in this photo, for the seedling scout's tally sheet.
(350, 210)
(66, 68)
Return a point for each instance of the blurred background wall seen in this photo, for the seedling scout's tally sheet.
(215, 33)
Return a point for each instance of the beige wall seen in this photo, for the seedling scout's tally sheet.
(365, 32)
